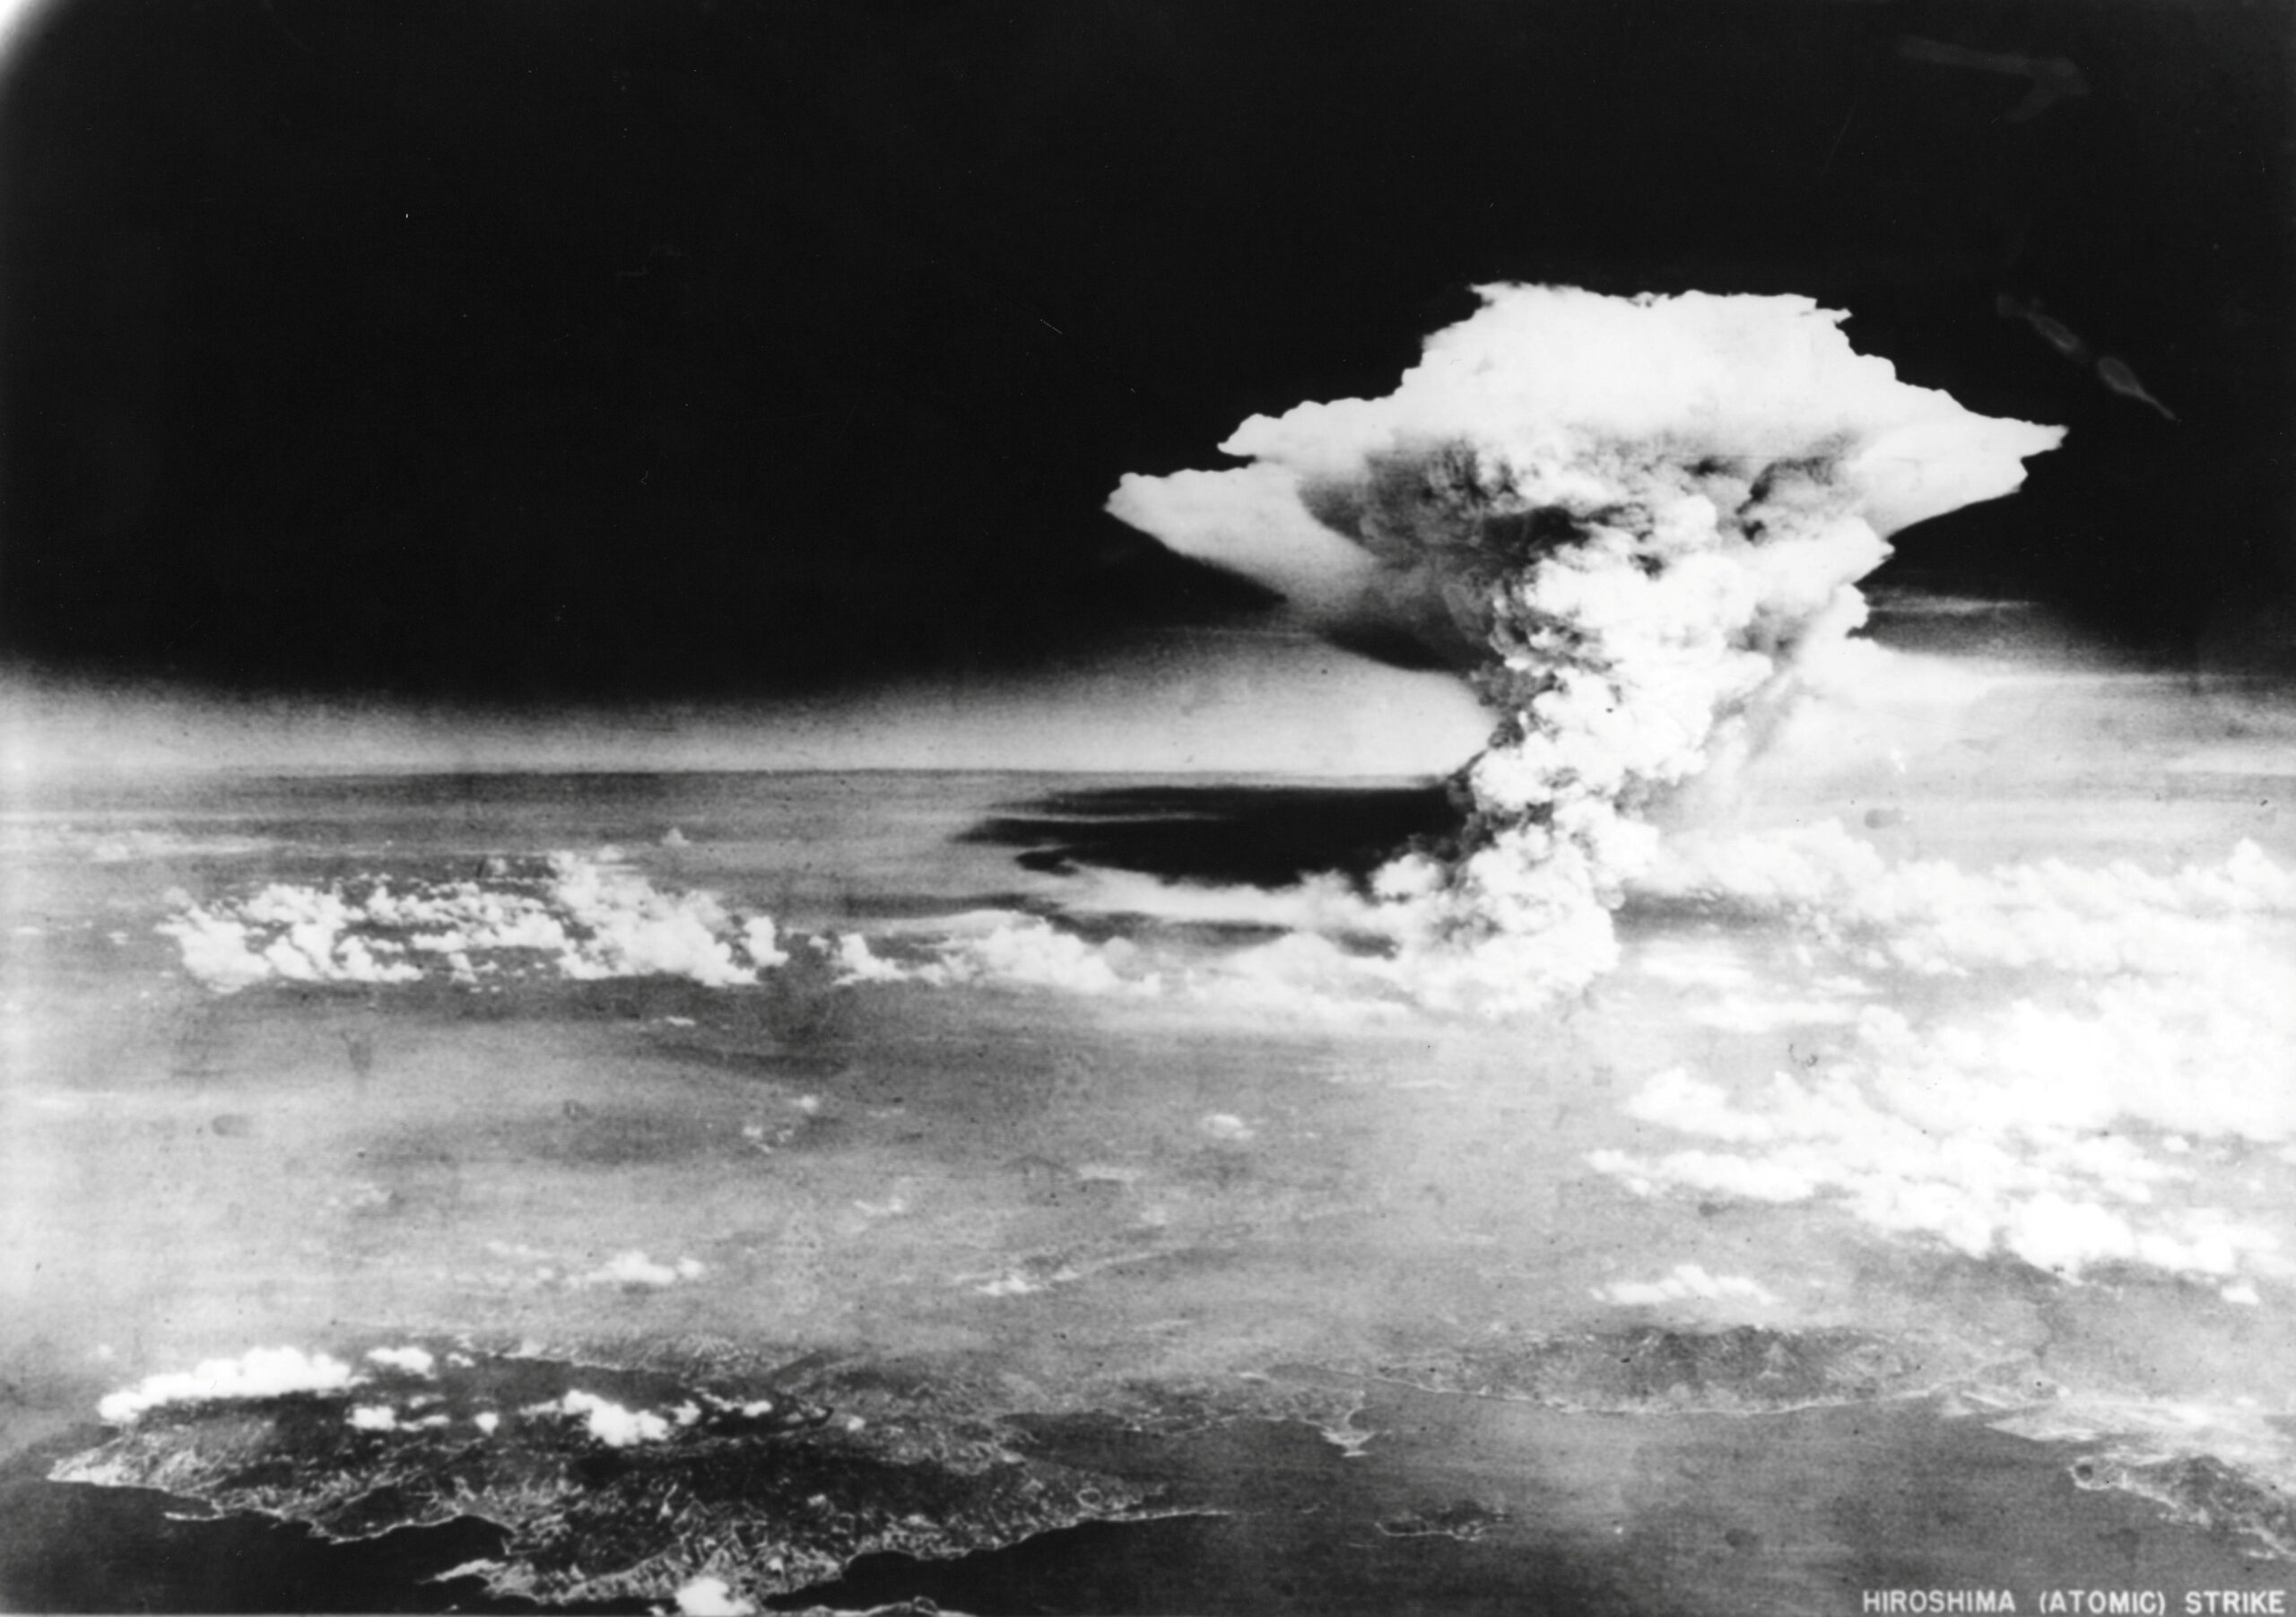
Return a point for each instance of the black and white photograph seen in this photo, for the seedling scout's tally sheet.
(1148, 808)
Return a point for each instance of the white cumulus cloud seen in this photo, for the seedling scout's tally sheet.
(1684, 1282)
(711, 1596)
(571, 915)
(257, 1373)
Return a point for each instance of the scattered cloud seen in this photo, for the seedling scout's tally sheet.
(257, 1373)
(609, 1423)
(414, 1360)
(567, 915)
(1684, 1282)
(634, 1268)
(711, 1598)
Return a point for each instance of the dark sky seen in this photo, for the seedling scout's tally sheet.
(463, 348)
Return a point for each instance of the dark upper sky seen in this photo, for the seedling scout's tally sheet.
(459, 347)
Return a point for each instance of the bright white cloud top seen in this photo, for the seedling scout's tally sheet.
(257, 1373)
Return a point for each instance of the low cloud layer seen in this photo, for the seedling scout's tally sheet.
(566, 914)
(257, 1373)
(2067, 1065)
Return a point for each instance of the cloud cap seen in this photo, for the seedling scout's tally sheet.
(1548, 381)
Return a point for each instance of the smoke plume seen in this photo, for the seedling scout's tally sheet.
(1631, 520)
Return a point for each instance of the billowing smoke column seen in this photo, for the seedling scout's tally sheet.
(1633, 519)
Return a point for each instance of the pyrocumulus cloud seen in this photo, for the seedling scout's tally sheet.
(1633, 518)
